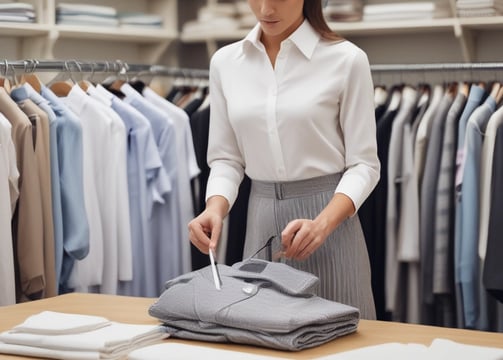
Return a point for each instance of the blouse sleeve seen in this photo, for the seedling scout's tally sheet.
(357, 119)
(224, 156)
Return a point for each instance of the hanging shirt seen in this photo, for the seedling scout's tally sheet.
(75, 242)
(41, 121)
(145, 176)
(119, 158)
(187, 167)
(28, 221)
(467, 264)
(24, 92)
(166, 235)
(9, 176)
(101, 154)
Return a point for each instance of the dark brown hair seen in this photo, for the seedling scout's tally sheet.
(314, 14)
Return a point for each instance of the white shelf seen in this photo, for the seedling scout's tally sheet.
(123, 34)
(482, 23)
(43, 39)
(218, 35)
(23, 30)
(463, 29)
(347, 29)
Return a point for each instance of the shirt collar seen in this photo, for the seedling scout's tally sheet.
(305, 38)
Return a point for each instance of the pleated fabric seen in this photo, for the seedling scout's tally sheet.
(341, 263)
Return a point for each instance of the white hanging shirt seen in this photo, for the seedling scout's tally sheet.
(9, 176)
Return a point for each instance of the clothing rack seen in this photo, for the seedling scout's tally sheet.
(123, 68)
(391, 74)
(436, 67)
(76, 66)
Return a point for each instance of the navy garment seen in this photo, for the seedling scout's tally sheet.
(373, 219)
(493, 268)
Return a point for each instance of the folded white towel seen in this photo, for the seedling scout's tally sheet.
(53, 323)
(73, 336)
(114, 337)
(34, 351)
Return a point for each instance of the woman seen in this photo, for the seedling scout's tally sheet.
(292, 107)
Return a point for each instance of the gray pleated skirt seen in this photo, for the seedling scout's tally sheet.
(341, 263)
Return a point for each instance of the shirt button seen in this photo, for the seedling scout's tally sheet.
(250, 289)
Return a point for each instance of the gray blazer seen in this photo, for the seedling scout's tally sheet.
(261, 303)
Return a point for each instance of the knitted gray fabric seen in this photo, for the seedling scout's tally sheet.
(261, 303)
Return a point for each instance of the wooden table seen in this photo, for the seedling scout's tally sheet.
(135, 310)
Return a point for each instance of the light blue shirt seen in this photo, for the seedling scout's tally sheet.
(145, 177)
(164, 222)
(474, 99)
(467, 265)
(75, 244)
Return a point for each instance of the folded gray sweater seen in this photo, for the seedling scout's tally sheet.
(261, 303)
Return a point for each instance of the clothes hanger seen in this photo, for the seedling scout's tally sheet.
(60, 84)
(495, 88)
(499, 96)
(30, 77)
(138, 82)
(85, 84)
(4, 80)
(113, 83)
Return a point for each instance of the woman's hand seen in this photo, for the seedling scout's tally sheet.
(301, 238)
(205, 229)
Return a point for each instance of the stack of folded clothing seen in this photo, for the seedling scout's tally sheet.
(290, 316)
(140, 20)
(214, 17)
(17, 12)
(473, 8)
(84, 14)
(343, 10)
(404, 11)
(71, 336)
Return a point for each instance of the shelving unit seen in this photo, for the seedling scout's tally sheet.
(460, 35)
(451, 39)
(42, 39)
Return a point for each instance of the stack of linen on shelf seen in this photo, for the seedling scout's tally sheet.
(71, 336)
(140, 20)
(213, 17)
(17, 12)
(404, 11)
(473, 8)
(222, 18)
(343, 10)
(84, 14)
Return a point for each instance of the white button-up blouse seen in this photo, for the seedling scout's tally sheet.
(310, 115)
